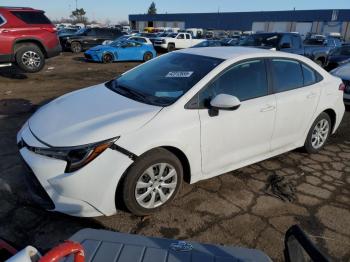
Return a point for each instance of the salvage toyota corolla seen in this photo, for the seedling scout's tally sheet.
(184, 116)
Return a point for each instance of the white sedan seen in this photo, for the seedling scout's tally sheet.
(184, 116)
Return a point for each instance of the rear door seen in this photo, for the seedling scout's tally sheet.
(297, 96)
(5, 40)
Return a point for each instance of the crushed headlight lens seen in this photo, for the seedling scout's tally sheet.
(76, 157)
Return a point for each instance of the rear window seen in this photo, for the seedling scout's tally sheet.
(2, 20)
(32, 18)
(287, 75)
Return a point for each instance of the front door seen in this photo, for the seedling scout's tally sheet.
(232, 138)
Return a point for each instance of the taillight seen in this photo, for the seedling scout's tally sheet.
(342, 87)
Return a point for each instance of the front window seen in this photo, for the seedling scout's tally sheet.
(245, 81)
(164, 80)
(268, 40)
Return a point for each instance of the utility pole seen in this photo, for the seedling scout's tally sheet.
(76, 4)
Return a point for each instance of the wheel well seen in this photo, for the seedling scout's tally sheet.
(333, 117)
(321, 58)
(171, 44)
(184, 161)
(177, 152)
(20, 43)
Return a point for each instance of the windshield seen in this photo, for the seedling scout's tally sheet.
(270, 40)
(81, 31)
(164, 80)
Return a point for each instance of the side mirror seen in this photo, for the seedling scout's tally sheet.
(298, 247)
(285, 45)
(225, 102)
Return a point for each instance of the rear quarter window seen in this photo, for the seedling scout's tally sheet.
(32, 18)
(2, 20)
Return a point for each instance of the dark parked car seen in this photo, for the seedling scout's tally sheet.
(343, 72)
(67, 31)
(232, 41)
(287, 42)
(338, 56)
(27, 38)
(320, 40)
(86, 38)
(208, 43)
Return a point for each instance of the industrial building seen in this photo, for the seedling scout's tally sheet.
(302, 21)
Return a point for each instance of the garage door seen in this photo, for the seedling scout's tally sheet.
(303, 28)
(279, 27)
(258, 27)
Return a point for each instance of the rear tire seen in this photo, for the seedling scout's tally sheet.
(319, 62)
(146, 187)
(171, 47)
(147, 56)
(30, 58)
(75, 47)
(318, 134)
(107, 59)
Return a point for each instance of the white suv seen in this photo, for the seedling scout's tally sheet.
(188, 115)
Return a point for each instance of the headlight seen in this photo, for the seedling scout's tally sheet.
(76, 157)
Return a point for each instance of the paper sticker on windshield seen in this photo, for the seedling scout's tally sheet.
(180, 74)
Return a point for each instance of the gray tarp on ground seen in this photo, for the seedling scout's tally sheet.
(104, 246)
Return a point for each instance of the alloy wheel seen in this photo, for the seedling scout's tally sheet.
(31, 59)
(320, 134)
(156, 185)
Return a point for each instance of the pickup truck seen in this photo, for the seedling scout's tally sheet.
(290, 43)
(176, 41)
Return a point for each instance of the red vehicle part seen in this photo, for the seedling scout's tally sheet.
(65, 250)
(27, 34)
(5, 246)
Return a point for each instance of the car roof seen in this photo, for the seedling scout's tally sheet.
(228, 53)
(14, 8)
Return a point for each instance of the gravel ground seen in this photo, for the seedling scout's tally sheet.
(232, 209)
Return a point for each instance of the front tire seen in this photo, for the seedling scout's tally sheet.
(107, 59)
(152, 182)
(318, 134)
(30, 58)
(76, 47)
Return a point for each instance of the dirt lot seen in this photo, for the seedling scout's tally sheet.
(232, 209)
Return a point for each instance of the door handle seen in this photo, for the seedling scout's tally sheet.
(4, 31)
(267, 109)
(311, 95)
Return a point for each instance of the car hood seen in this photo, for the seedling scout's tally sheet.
(342, 72)
(89, 115)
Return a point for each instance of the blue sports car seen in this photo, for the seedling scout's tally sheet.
(121, 51)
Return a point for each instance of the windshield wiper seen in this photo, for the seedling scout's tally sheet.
(133, 93)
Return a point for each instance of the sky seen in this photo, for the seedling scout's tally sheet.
(116, 10)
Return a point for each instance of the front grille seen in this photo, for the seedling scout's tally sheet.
(38, 193)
